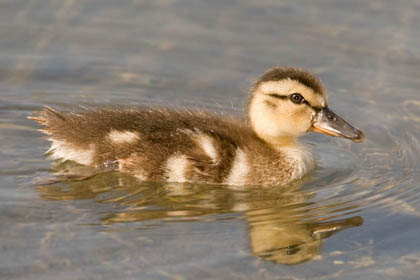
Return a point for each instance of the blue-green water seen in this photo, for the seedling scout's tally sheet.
(356, 217)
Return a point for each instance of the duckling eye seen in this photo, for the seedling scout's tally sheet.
(297, 98)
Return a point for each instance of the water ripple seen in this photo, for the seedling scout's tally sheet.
(379, 175)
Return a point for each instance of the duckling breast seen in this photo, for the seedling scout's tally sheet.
(271, 167)
(301, 159)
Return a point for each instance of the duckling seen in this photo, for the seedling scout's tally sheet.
(185, 145)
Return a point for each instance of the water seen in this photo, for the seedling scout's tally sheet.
(356, 217)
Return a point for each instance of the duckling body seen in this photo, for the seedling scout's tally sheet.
(175, 145)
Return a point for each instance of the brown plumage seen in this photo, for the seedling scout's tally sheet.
(162, 144)
(162, 133)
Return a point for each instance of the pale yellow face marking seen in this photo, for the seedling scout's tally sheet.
(287, 87)
(280, 120)
(121, 137)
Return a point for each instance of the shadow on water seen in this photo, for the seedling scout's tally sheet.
(283, 225)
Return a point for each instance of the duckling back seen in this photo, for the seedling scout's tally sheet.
(165, 145)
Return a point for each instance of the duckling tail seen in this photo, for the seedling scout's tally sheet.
(45, 116)
(48, 117)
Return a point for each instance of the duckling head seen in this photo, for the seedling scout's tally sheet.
(287, 102)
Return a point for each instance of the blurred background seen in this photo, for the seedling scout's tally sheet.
(357, 216)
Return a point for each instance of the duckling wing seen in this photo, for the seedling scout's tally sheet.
(210, 156)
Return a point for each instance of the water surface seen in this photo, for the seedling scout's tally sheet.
(356, 217)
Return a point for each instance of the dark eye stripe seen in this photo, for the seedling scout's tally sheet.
(276, 95)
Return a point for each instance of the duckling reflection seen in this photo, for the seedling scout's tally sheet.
(278, 235)
(282, 226)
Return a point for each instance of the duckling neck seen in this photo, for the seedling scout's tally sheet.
(299, 157)
(280, 142)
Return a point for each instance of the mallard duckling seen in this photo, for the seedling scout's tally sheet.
(175, 145)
